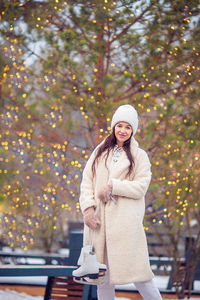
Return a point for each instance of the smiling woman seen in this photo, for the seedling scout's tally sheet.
(115, 180)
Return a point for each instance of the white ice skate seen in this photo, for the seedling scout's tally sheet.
(90, 271)
(89, 267)
(88, 249)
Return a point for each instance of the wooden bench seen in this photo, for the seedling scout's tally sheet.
(60, 284)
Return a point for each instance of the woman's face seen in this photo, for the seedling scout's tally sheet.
(123, 131)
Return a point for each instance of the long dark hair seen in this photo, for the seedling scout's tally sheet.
(108, 145)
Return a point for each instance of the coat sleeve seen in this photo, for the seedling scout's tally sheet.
(87, 198)
(137, 188)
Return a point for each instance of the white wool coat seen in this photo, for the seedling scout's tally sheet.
(121, 230)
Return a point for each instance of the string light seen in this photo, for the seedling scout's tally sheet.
(36, 154)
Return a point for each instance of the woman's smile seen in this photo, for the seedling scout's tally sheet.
(121, 136)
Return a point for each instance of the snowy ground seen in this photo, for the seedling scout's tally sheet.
(12, 295)
(160, 281)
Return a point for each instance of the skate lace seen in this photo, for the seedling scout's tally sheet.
(92, 232)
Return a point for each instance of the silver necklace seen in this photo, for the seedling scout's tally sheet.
(116, 153)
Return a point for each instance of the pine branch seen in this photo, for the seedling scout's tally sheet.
(125, 30)
(82, 31)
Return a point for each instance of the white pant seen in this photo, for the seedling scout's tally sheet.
(147, 289)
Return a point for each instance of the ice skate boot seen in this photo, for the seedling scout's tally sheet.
(85, 249)
(89, 272)
(89, 267)
(88, 249)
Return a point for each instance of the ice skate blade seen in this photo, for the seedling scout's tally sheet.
(86, 280)
(91, 276)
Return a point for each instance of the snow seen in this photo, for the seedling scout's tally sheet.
(10, 295)
(160, 281)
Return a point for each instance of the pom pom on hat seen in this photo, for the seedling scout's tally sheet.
(126, 113)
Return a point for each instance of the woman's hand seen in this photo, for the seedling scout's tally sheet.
(90, 219)
(105, 192)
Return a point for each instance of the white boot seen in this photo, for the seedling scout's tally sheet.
(85, 249)
(88, 249)
(89, 267)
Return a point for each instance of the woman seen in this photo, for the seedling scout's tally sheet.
(115, 179)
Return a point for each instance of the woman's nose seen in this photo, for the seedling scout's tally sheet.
(122, 130)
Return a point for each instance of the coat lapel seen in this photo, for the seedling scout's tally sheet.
(120, 166)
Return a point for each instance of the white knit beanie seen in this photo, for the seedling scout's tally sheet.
(126, 113)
